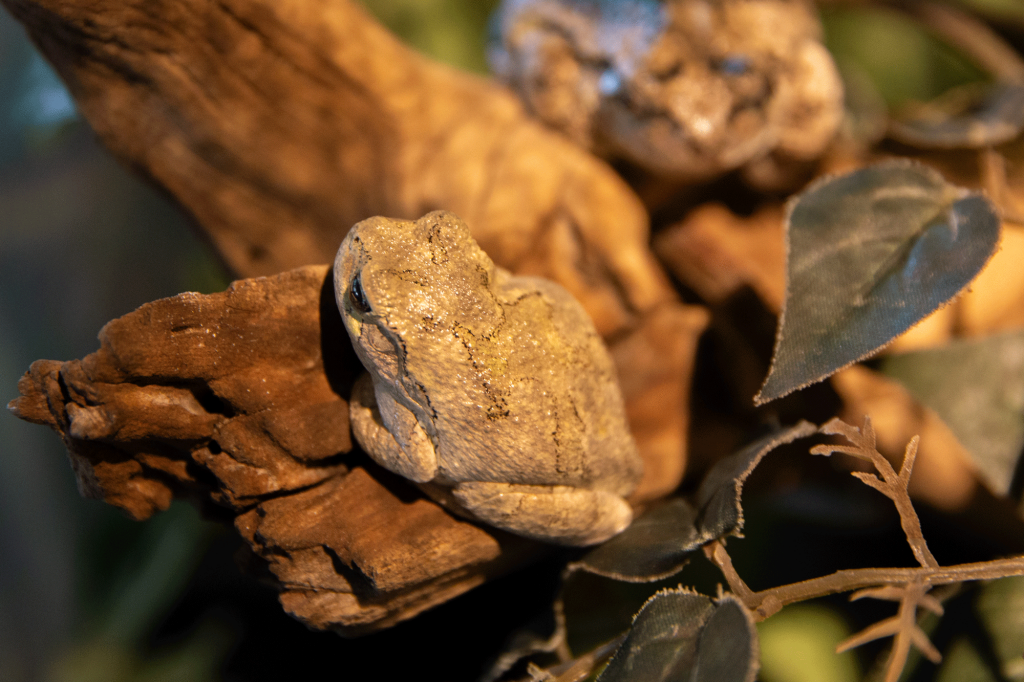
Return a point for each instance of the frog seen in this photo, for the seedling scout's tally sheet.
(492, 392)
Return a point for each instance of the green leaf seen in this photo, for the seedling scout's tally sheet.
(798, 644)
(682, 635)
(871, 253)
(969, 117)
(977, 388)
(655, 546)
(659, 543)
(719, 494)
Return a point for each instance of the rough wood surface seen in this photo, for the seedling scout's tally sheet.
(240, 398)
(230, 397)
(279, 124)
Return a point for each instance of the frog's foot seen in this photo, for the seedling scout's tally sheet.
(561, 514)
(411, 455)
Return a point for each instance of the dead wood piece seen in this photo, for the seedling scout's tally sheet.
(353, 555)
(716, 253)
(278, 124)
(160, 400)
(236, 397)
(227, 397)
(655, 367)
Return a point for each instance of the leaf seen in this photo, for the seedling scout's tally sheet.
(799, 643)
(871, 253)
(977, 388)
(658, 543)
(655, 546)
(971, 116)
(719, 494)
(682, 635)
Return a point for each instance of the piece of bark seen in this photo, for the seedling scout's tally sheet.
(717, 253)
(655, 365)
(278, 124)
(240, 398)
(195, 383)
(237, 398)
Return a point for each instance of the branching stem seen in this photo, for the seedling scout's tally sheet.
(891, 484)
(859, 578)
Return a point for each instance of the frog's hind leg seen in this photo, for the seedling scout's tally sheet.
(561, 514)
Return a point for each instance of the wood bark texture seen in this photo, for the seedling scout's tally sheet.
(279, 124)
(240, 398)
(229, 397)
(276, 126)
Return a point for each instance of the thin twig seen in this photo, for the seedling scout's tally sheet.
(715, 552)
(891, 484)
(902, 627)
(859, 578)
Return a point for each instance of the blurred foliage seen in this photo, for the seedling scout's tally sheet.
(903, 61)
(977, 387)
(451, 31)
(798, 645)
(82, 241)
(992, 648)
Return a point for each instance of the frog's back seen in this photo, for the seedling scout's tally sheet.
(546, 387)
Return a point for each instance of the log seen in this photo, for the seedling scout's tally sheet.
(240, 398)
(278, 124)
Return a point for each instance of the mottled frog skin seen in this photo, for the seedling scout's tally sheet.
(491, 391)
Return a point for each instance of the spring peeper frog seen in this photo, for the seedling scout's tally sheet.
(491, 391)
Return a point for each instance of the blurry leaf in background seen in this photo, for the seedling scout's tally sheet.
(1007, 10)
(904, 61)
(682, 635)
(997, 653)
(127, 590)
(970, 116)
(450, 31)
(798, 644)
(866, 114)
(870, 254)
(977, 388)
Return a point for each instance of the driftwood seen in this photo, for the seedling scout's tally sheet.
(276, 126)
(229, 397)
(240, 398)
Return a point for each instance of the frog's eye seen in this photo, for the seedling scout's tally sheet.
(357, 295)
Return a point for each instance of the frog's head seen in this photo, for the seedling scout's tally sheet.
(401, 284)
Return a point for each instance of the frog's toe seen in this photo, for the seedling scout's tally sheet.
(560, 514)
